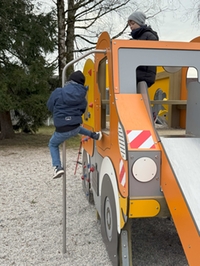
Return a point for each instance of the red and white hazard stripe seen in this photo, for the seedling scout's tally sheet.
(140, 139)
(122, 173)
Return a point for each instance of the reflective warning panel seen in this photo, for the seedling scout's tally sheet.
(140, 139)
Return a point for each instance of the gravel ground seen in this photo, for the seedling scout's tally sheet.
(31, 219)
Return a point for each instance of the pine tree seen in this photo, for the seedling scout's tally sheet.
(26, 38)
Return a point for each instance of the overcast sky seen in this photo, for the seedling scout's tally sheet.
(181, 25)
(178, 25)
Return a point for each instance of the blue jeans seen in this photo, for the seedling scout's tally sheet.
(58, 138)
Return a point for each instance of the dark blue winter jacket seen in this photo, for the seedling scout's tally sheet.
(145, 73)
(68, 104)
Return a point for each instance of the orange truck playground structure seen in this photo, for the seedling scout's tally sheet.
(137, 169)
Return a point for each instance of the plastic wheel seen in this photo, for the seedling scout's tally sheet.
(109, 220)
(86, 177)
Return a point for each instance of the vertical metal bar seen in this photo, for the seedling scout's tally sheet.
(64, 179)
(64, 198)
(64, 147)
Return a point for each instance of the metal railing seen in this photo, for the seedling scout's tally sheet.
(64, 144)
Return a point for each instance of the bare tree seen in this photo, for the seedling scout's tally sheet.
(81, 16)
(61, 36)
(190, 9)
(195, 7)
(86, 19)
(70, 32)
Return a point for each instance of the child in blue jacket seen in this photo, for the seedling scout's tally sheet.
(68, 104)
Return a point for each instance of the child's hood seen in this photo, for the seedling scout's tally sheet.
(74, 93)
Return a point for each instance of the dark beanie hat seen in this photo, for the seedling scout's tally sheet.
(138, 17)
(78, 77)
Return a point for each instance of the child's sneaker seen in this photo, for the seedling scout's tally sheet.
(96, 135)
(58, 172)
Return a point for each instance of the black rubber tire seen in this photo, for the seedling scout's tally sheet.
(86, 184)
(109, 220)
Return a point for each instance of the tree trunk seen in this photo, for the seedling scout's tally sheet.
(70, 35)
(7, 131)
(61, 38)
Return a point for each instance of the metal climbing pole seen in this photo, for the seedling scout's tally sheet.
(64, 145)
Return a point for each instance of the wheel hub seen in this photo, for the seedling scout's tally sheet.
(108, 219)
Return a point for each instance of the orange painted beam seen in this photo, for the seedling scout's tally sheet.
(185, 225)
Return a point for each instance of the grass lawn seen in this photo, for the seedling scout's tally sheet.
(40, 139)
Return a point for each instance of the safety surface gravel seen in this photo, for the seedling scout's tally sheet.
(31, 218)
